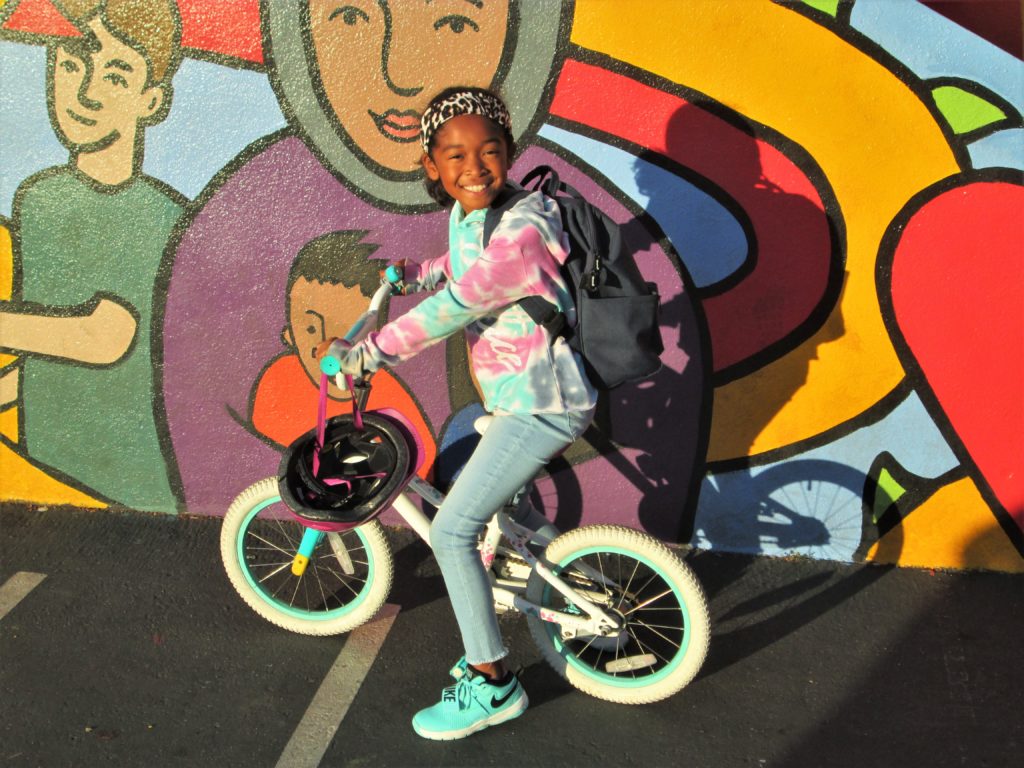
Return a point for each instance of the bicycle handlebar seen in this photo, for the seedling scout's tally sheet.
(330, 362)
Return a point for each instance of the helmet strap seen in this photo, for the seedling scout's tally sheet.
(321, 415)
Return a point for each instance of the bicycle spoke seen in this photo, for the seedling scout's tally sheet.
(271, 545)
(275, 571)
(664, 637)
(648, 601)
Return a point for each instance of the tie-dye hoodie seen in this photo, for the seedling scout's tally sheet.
(518, 368)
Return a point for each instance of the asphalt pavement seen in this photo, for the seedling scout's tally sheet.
(122, 643)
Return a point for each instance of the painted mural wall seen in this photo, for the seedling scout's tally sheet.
(827, 194)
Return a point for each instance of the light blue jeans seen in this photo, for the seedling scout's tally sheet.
(510, 453)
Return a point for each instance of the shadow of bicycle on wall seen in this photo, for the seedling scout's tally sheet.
(810, 519)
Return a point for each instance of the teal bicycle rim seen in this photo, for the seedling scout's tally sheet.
(284, 607)
(623, 681)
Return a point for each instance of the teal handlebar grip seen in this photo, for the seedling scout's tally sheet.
(330, 365)
(393, 274)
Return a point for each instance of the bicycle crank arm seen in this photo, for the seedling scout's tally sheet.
(575, 598)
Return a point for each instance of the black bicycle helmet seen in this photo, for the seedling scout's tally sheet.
(360, 473)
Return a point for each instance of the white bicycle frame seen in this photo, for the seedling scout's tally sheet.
(509, 594)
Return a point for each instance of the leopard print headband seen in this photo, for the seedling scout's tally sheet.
(462, 103)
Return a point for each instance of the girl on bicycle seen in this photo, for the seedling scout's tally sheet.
(534, 386)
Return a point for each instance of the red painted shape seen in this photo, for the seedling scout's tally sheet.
(958, 296)
(228, 27)
(40, 17)
(794, 248)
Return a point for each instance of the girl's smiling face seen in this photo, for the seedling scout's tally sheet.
(470, 158)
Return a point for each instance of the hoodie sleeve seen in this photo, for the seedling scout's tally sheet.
(428, 275)
(523, 254)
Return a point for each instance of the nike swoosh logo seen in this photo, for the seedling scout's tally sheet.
(496, 702)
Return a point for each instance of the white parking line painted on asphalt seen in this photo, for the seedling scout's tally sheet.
(308, 744)
(15, 589)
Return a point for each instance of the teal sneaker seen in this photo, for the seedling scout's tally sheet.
(470, 705)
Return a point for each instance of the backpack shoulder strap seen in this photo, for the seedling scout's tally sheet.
(508, 197)
(545, 179)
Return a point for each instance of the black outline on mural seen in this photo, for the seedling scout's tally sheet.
(866, 418)
(796, 154)
(222, 59)
(915, 377)
(917, 490)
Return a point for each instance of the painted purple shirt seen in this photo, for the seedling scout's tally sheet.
(225, 308)
(518, 368)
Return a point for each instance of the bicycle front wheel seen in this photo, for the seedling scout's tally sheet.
(346, 582)
(654, 595)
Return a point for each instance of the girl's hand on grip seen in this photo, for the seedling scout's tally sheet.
(395, 276)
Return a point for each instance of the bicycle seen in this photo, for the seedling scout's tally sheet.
(614, 611)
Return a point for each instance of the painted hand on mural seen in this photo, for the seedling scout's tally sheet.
(101, 332)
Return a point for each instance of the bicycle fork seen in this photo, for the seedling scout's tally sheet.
(311, 538)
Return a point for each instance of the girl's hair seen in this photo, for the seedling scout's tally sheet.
(434, 187)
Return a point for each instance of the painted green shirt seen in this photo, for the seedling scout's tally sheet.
(95, 424)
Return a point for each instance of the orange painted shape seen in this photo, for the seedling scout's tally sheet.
(40, 17)
(25, 482)
(6, 280)
(9, 424)
(954, 528)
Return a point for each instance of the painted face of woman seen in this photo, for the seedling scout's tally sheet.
(379, 62)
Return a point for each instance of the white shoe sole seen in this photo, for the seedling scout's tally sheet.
(497, 718)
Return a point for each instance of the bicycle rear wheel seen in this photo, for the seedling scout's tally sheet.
(346, 582)
(656, 597)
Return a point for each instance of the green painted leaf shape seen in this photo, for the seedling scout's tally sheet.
(831, 7)
(965, 111)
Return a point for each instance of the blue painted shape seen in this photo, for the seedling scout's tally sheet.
(27, 143)
(931, 45)
(810, 504)
(708, 238)
(216, 112)
(1003, 149)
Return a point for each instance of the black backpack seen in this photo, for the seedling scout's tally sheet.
(616, 330)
